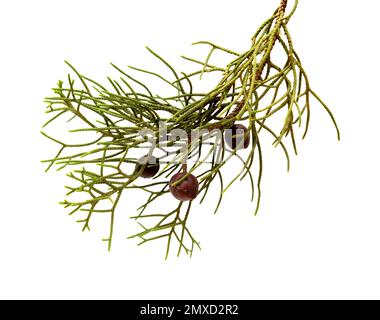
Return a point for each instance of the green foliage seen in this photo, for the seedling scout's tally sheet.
(253, 88)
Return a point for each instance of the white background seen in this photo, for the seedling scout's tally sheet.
(318, 231)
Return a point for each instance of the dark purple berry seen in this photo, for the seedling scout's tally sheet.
(187, 189)
(237, 137)
(147, 168)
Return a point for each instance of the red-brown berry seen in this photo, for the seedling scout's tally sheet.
(185, 190)
(147, 168)
(237, 137)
